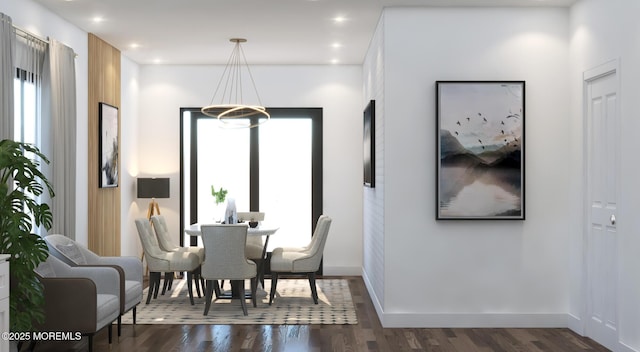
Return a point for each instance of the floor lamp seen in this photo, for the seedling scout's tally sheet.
(153, 187)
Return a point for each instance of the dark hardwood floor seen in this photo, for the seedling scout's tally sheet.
(367, 335)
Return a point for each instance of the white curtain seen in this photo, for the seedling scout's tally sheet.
(59, 113)
(7, 74)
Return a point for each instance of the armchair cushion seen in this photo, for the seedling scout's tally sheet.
(72, 252)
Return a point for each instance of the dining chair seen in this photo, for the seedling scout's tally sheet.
(225, 259)
(255, 247)
(166, 244)
(301, 260)
(129, 268)
(160, 261)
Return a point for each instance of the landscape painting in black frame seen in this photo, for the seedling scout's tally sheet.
(369, 144)
(480, 150)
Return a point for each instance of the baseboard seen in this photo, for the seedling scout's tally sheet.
(472, 320)
(372, 293)
(342, 270)
(624, 348)
(575, 324)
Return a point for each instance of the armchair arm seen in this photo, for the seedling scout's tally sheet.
(132, 266)
(106, 279)
(69, 304)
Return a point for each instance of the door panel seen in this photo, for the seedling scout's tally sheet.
(602, 240)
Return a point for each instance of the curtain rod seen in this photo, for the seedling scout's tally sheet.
(28, 35)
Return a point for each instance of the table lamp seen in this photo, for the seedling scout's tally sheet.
(153, 188)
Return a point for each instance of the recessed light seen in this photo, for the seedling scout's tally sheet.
(97, 19)
(157, 61)
(339, 19)
(335, 61)
(336, 45)
(134, 45)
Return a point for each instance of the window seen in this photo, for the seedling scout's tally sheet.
(275, 168)
(26, 123)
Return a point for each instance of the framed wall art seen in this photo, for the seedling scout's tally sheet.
(480, 150)
(108, 145)
(369, 144)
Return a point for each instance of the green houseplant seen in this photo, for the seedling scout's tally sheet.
(21, 183)
(220, 195)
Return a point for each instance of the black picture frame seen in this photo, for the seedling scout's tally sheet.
(480, 150)
(369, 144)
(108, 146)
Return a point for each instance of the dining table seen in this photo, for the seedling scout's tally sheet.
(265, 230)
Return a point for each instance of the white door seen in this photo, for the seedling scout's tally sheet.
(602, 181)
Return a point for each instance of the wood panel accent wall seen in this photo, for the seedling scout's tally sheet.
(104, 203)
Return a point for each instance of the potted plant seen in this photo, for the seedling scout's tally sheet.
(21, 184)
(219, 197)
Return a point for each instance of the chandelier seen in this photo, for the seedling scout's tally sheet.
(227, 104)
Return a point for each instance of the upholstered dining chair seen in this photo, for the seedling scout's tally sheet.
(255, 245)
(225, 259)
(129, 269)
(302, 260)
(160, 261)
(166, 244)
(78, 299)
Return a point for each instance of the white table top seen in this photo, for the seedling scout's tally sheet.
(261, 230)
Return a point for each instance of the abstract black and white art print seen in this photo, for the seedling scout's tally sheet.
(108, 146)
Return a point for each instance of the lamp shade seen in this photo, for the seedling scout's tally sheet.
(153, 187)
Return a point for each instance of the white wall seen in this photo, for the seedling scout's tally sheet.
(129, 112)
(474, 273)
(603, 30)
(38, 20)
(373, 203)
(337, 89)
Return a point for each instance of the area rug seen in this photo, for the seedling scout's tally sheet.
(293, 305)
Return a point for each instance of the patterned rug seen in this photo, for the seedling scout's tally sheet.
(292, 305)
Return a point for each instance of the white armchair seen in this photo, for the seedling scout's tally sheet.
(129, 268)
(79, 299)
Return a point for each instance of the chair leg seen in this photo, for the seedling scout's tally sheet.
(171, 282)
(110, 333)
(91, 343)
(190, 289)
(168, 280)
(119, 324)
(216, 288)
(208, 293)
(196, 278)
(243, 301)
(259, 269)
(254, 288)
(154, 279)
(274, 283)
(312, 283)
(134, 315)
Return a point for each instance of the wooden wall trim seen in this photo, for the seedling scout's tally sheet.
(104, 203)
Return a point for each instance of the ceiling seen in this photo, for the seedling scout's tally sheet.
(278, 31)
